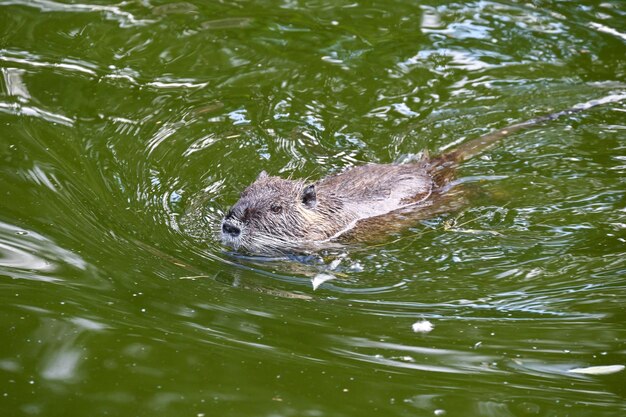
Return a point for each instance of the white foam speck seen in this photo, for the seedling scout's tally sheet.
(423, 326)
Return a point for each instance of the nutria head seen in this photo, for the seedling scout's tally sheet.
(273, 215)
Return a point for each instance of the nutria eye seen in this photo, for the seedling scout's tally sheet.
(276, 209)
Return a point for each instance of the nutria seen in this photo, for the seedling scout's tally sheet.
(276, 215)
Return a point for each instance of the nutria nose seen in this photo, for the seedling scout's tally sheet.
(229, 229)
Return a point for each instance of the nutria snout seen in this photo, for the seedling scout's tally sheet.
(229, 229)
(283, 215)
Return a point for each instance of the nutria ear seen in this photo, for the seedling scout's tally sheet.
(309, 198)
(262, 174)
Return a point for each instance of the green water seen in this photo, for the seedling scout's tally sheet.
(127, 129)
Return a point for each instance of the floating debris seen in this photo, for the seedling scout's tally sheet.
(423, 326)
(598, 370)
(319, 279)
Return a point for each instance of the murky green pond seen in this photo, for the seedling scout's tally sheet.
(127, 129)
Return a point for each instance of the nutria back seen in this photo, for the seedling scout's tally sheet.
(284, 215)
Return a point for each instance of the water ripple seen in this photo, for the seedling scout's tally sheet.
(113, 12)
(31, 111)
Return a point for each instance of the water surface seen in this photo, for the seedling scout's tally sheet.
(127, 129)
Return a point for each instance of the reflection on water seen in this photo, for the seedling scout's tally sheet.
(127, 129)
(26, 254)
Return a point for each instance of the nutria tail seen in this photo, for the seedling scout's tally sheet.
(476, 146)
